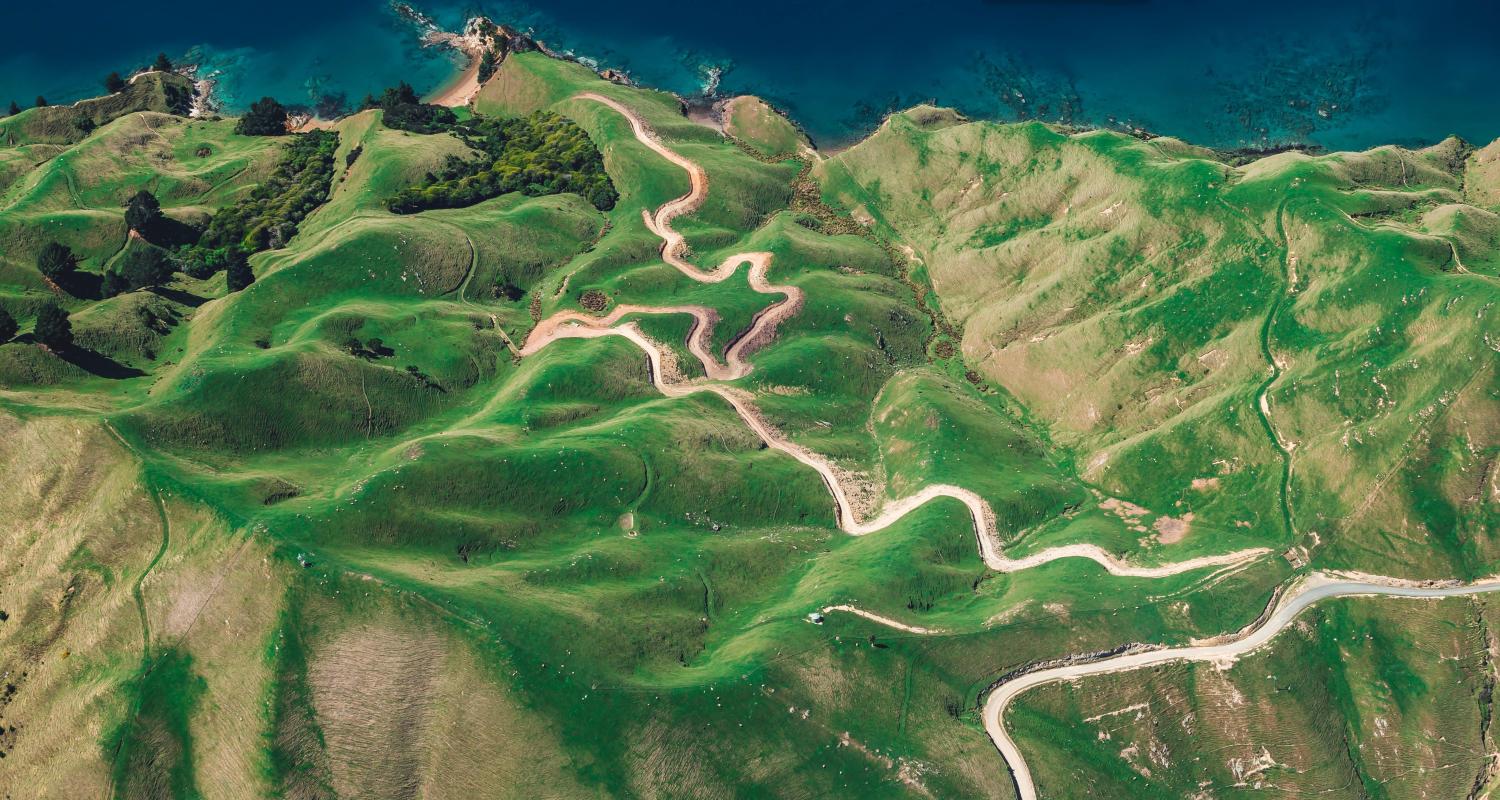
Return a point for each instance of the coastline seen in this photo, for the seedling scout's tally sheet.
(480, 35)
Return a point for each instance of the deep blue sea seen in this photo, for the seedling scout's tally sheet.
(1338, 73)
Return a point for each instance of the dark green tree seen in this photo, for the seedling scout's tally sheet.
(142, 211)
(8, 326)
(41, 102)
(163, 64)
(113, 83)
(15, 108)
(487, 65)
(266, 117)
(145, 266)
(52, 327)
(239, 274)
(56, 262)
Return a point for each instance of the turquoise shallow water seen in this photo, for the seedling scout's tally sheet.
(1339, 74)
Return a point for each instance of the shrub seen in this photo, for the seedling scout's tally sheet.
(56, 262)
(162, 63)
(41, 102)
(593, 300)
(266, 117)
(52, 326)
(8, 326)
(113, 83)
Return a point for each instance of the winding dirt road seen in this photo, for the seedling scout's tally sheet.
(574, 325)
(1309, 590)
(581, 326)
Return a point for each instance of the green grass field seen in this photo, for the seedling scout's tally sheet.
(248, 561)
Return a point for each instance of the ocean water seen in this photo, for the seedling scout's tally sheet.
(1337, 74)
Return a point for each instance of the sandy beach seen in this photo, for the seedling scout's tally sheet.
(462, 90)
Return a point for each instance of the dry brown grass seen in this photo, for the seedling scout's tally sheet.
(77, 529)
(408, 711)
(1482, 176)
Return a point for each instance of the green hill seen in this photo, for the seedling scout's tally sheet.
(164, 92)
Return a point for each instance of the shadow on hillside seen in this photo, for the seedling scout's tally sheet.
(179, 296)
(82, 285)
(96, 364)
(168, 233)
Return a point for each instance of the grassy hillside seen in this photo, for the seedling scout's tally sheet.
(163, 92)
(1299, 347)
(1303, 346)
(330, 535)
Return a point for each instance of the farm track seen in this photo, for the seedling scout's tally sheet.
(1263, 394)
(1306, 592)
(137, 593)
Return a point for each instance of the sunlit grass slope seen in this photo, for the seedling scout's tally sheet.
(1300, 351)
(1301, 346)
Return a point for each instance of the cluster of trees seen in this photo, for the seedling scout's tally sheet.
(269, 215)
(537, 155)
(406, 112)
(371, 350)
(15, 108)
(140, 267)
(266, 117)
(488, 63)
